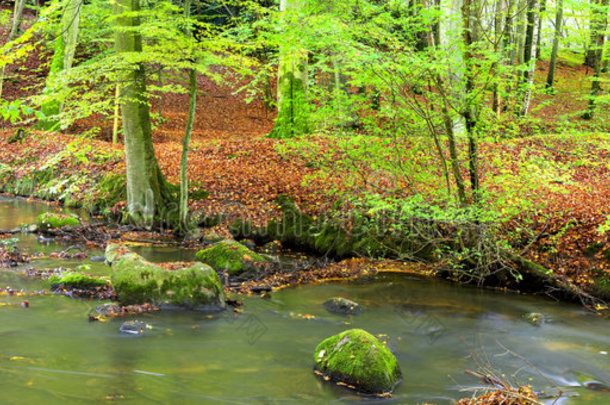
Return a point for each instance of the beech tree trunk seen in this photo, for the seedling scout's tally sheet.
(13, 34)
(63, 55)
(148, 195)
(550, 79)
(183, 211)
(292, 117)
(600, 25)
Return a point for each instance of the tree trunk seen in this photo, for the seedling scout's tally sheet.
(601, 23)
(467, 112)
(550, 80)
(63, 55)
(183, 211)
(590, 52)
(148, 195)
(117, 113)
(13, 34)
(292, 117)
(184, 224)
(540, 29)
(528, 59)
(17, 19)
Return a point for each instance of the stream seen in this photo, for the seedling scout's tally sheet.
(50, 353)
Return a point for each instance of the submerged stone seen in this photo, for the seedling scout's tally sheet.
(134, 327)
(137, 281)
(359, 360)
(51, 220)
(230, 256)
(341, 305)
(534, 318)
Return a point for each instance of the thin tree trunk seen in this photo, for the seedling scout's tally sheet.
(13, 34)
(529, 52)
(601, 23)
(292, 104)
(467, 112)
(63, 56)
(550, 80)
(590, 52)
(186, 141)
(540, 29)
(117, 113)
(183, 210)
(147, 191)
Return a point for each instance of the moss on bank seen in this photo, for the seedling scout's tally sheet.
(357, 358)
(231, 256)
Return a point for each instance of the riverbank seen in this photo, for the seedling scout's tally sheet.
(246, 182)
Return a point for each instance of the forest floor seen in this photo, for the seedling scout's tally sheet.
(244, 172)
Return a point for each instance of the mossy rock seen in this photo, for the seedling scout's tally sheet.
(231, 256)
(340, 305)
(534, 318)
(360, 360)
(137, 281)
(76, 280)
(51, 220)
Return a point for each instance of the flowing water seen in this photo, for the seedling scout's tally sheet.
(50, 352)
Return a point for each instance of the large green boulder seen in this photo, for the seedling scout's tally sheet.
(231, 256)
(137, 281)
(51, 220)
(360, 360)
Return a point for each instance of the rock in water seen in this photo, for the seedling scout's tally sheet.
(134, 327)
(231, 256)
(341, 305)
(137, 281)
(50, 220)
(359, 360)
(535, 318)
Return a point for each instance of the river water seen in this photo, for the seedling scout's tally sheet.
(50, 353)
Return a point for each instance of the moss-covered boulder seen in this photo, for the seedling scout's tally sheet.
(340, 305)
(231, 256)
(137, 281)
(360, 360)
(51, 220)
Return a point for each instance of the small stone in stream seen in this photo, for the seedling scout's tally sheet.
(98, 258)
(534, 318)
(134, 327)
(341, 305)
(107, 308)
(249, 243)
(273, 247)
(596, 386)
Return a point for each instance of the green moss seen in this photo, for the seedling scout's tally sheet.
(137, 281)
(50, 220)
(77, 280)
(229, 255)
(357, 358)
